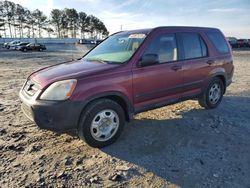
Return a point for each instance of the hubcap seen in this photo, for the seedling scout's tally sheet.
(104, 125)
(215, 93)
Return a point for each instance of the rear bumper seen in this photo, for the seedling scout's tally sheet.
(230, 77)
(58, 116)
(229, 81)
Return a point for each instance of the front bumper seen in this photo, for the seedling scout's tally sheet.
(58, 116)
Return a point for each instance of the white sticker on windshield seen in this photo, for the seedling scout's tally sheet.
(137, 36)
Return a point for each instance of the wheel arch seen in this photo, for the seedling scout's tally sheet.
(221, 75)
(223, 79)
(118, 97)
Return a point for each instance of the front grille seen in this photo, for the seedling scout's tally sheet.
(30, 87)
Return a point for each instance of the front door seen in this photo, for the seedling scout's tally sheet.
(161, 82)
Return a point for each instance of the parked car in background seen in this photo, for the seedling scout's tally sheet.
(128, 73)
(13, 46)
(5, 44)
(242, 43)
(33, 47)
(86, 41)
(12, 43)
(232, 41)
(89, 41)
(98, 42)
(82, 41)
(18, 46)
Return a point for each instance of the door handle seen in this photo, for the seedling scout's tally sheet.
(176, 67)
(210, 62)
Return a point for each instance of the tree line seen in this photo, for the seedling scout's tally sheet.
(18, 21)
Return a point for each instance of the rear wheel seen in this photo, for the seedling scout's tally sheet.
(213, 94)
(101, 123)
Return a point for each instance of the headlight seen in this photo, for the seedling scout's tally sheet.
(60, 90)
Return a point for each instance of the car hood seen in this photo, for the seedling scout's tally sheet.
(69, 70)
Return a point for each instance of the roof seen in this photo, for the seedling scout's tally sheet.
(184, 28)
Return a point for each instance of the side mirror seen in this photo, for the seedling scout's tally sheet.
(149, 59)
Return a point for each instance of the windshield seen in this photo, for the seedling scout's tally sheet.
(117, 48)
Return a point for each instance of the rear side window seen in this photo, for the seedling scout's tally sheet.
(218, 41)
(165, 47)
(193, 46)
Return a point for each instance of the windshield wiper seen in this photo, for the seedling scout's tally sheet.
(99, 60)
(104, 61)
(114, 62)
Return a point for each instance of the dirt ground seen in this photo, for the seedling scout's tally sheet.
(181, 145)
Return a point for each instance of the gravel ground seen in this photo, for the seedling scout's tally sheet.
(180, 145)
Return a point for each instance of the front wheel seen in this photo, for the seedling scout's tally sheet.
(213, 94)
(101, 123)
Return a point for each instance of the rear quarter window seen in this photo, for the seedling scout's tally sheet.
(218, 41)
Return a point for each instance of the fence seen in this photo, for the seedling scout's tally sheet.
(42, 40)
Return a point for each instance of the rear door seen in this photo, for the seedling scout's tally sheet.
(159, 83)
(195, 62)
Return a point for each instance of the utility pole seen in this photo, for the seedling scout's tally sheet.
(121, 27)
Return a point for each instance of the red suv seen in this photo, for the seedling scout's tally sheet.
(242, 43)
(128, 73)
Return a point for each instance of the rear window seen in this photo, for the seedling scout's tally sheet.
(194, 46)
(218, 41)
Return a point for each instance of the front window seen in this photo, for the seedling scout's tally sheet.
(165, 47)
(118, 48)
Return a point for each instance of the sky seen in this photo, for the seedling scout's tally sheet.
(231, 16)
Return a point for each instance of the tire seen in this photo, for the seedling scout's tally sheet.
(101, 123)
(213, 94)
(40, 49)
(24, 50)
